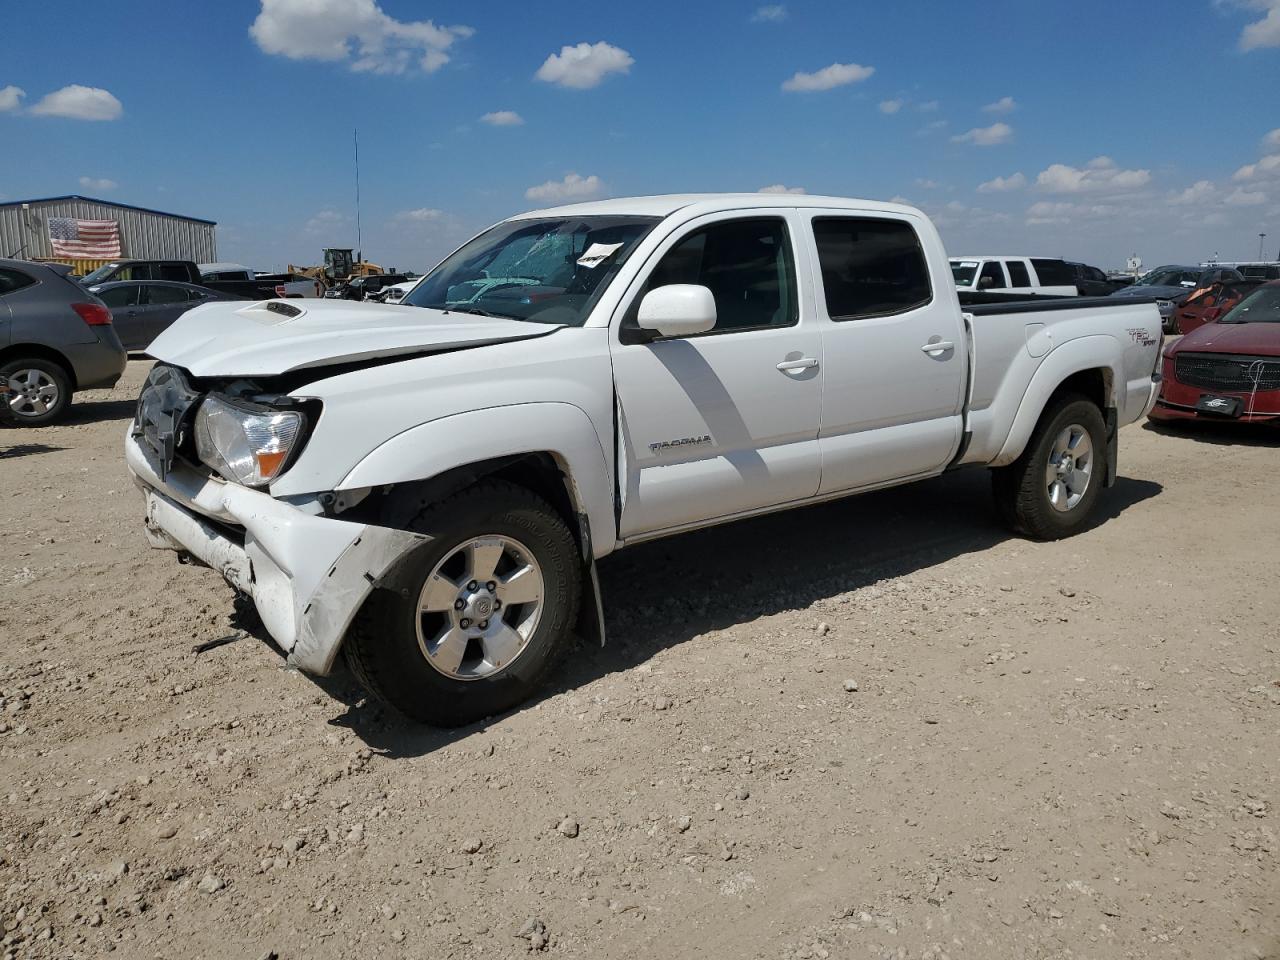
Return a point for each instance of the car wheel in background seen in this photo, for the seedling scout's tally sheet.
(1049, 492)
(484, 615)
(39, 391)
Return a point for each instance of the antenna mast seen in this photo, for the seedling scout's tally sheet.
(355, 142)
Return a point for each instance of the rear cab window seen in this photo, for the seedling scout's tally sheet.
(1018, 276)
(13, 280)
(1054, 273)
(870, 267)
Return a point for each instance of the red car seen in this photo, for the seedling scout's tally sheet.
(1206, 305)
(1228, 369)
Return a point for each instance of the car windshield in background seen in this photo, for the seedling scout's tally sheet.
(1168, 277)
(98, 274)
(546, 271)
(963, 271)
(1261, 306)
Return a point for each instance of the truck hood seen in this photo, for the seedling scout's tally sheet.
(1164, 293)
(271, 337)
(1259, 339)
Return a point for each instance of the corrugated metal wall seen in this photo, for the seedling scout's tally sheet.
(142, 233)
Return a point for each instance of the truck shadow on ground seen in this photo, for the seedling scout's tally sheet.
(664, 593)
(1227, 433)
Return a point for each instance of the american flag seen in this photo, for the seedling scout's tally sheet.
(89, 239)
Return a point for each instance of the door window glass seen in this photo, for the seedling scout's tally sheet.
(1018, 276)
(1054, 273)
(992, 276)
(125, 296)
(175, 271)
(746, 264)
(158, 295)
(870, 267)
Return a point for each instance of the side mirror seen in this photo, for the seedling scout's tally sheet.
(677, 310)
(985, 282)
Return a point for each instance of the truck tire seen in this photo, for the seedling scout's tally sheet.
(39, 391)
(1050, 491)
(484, 616)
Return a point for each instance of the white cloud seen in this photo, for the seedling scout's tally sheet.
(11, 96)
(1199, 192)
(91, 183)
(1001, 106)
(324, 221)
(421, 215)
(899, 198)
(79, 103)
(1264, 32)
(891, 106)
(572, 187)
(1014, 181)
(1099, 175)
(933, 126)
(585, 65)
(1272, 139)
(770, 13)
(836, 75)
(929, 106)
(1240, 197)
(502, 118)
(1265, 167)
(357, 32)
(780, 188)
(991, 136)
(924, 184)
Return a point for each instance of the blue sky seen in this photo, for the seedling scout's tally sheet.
(1109, 128)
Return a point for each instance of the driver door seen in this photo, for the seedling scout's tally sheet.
(723, 422)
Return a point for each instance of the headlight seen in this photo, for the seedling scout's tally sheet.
(246, 443)
(1164, 306)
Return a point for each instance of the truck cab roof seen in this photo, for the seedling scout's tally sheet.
(699, 203)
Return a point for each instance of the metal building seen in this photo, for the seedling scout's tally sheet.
(147, 234)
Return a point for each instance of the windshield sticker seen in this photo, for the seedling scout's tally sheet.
(597, 254)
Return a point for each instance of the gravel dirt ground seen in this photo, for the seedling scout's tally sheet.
(879, 728)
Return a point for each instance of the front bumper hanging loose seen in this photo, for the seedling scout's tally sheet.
(308, 575)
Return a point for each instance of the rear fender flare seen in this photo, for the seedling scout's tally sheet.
(1097, 352)
(561, 429)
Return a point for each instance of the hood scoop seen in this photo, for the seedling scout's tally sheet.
(273, 312)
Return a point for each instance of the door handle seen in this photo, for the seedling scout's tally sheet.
(938, 346)
(804, 363)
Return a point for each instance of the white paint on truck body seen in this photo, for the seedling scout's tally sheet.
(652, 437)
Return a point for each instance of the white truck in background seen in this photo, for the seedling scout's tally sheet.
(1020, 276)
(427, 487)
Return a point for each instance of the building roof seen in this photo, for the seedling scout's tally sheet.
(107, 203)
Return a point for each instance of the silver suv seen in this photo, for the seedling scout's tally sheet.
(55, 338)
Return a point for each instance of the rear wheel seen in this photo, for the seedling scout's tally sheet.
(1049, 492)
(39, 391)
(484, 616)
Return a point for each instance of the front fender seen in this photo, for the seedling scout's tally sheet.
(561, 429)
(1098, 352)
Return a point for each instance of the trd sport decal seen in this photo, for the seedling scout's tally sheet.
(671, 444)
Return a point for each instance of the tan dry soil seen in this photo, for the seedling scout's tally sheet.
(1054, 750)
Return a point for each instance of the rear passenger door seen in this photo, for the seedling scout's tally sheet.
(161, 304)
(122, 301)
(894, 360)
(723, 422)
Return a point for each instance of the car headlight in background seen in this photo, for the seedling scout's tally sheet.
(246, 443)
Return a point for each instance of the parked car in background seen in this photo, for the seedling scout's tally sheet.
(141, 311)
(426, 486)
(1092, 282)
(287, 285)
(56, 338)
(1027, 276)
(1229, 369)
(1207, 305)
(395, 292)
(1172, 286)
(238, 280)
(364, 288)
(1261, 270)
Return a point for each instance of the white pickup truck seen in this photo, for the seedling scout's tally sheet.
(427, 487)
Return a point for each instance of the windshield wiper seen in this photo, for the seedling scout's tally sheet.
(477, 311)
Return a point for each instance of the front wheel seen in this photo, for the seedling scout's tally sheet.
(1050, 491)
(483, 616)
(39, 391)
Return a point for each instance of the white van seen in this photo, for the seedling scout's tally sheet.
(1035, 276)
